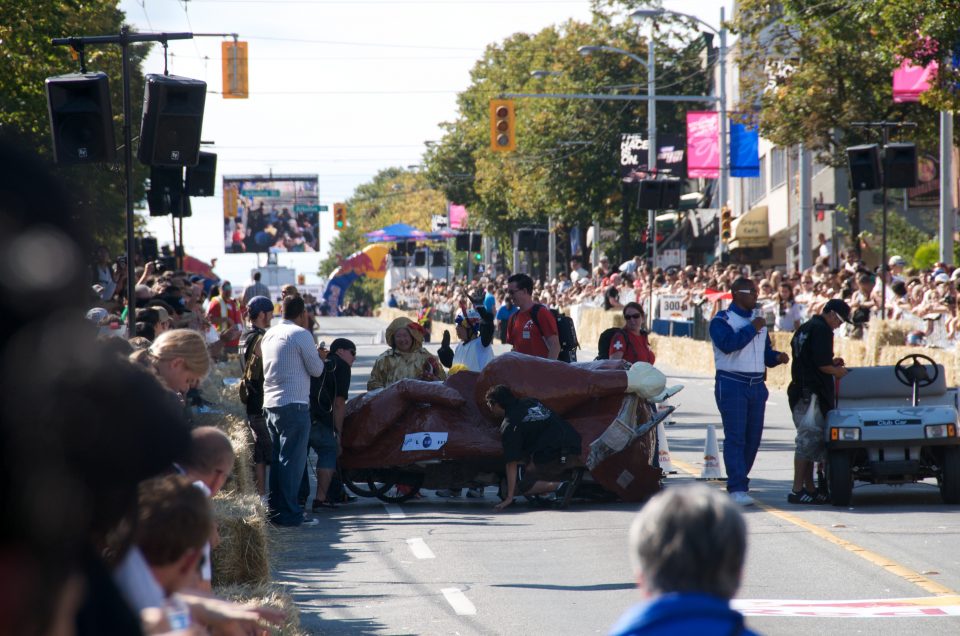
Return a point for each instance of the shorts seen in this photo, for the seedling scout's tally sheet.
(552, 471)
(324, 444)
(810, 442)
(262, 445)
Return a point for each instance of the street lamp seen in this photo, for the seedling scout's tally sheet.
(652, 15)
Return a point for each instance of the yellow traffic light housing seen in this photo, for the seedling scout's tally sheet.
(726, 224)
(503, 132)
(234, 69)
(339, 216)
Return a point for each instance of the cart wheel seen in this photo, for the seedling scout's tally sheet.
(840, 478)
(407, 487)
(950, 475)
(367, 488)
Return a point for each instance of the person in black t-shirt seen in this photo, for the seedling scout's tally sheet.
(328, 399)
(812, 373)
(260, 312)
(535, 437)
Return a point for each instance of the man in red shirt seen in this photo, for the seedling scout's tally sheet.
(535, 337)
(224, 313)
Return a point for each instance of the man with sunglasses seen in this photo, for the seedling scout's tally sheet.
(741, 352)
(534, 335)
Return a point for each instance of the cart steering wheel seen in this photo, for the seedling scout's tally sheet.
(916, 373)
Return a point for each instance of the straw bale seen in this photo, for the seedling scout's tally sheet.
(266, 594)
(242, 556)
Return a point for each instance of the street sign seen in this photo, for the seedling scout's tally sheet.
(261, 193)
(301, 207)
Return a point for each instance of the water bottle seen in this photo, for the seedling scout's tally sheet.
(178, 614)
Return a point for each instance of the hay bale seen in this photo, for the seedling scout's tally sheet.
(242, 556)
(269, 595)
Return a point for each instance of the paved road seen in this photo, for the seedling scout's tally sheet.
(436, 566)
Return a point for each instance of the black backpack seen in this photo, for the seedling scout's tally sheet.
(603, 344)
(566, 333)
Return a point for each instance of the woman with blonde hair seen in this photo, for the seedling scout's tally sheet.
(179, 357)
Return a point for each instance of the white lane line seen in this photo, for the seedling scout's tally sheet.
(420, 549)
(460, 603)
(394, 512)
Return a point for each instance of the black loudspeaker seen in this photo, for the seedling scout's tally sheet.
(476, 242)
(542, 240)
(865, 167)
(166, 194)
(670, 195)
(81, 119)
(419, 258)
(149, 250)
(900, 165)
(202, 177)
(526, 241)
(172, 119)
(438, 259)
(650, 194)
(463, 242)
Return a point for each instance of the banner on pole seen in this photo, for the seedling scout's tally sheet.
(744, 150)
(703, 144)
(909, 81)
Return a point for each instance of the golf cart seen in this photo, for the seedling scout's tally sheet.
(894, 425)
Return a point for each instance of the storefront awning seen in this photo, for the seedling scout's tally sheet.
(751, 229)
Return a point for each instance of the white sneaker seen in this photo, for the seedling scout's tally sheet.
(742, 498)
(475, 493)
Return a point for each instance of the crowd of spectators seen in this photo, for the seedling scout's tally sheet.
(924, 300)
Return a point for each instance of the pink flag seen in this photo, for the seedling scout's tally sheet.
(703, 144)
(458, 216)
(910, 81)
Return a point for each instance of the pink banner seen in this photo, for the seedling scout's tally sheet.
(458, 216)
(703, 144)
(910, 81)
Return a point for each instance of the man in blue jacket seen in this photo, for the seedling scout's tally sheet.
(687, 545)
(741, 353)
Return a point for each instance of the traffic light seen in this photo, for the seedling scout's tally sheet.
(477, 256)
(233, 57)
(339, 216)
(726, 224)
(503, 132)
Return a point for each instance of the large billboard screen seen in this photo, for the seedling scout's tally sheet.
(278, 213)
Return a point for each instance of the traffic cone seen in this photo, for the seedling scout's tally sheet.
(711, 456)
(665, 464)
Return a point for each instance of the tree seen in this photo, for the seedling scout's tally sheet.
(27, 58)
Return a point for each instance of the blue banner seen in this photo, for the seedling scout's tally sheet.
(744, 151)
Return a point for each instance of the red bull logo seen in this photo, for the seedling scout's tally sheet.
(371, 261)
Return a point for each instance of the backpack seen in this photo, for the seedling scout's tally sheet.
(252, 380)
(566, 333)
(603, 344)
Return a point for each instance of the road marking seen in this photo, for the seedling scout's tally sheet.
(460, 603)
(867, 608)
(394, 512)
(891, 566)
(420, 549)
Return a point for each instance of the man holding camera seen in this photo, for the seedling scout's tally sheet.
(224, 313)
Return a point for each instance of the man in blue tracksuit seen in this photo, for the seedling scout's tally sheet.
(741, 352)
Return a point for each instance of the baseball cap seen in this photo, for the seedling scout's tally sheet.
(941, 278)
(343, 343)
(97, 314)
(258, 305)
(839, 307)
(896, 260)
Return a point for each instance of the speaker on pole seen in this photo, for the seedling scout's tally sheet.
(526, 241)
(670, 194)
(149, 249)
(172, 120)
(864, 167)
(463, 242)
(900, 165)
(202, 177)
(476, 241)
(542, 240)
(650, 194)
(81, 120)
(165, 195)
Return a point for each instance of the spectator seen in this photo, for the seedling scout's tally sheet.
(425, 317)
(290, 358)
(789, 311)
(688, 546)
(631, 343)
(532, 330)
(254, 289)
(611, 299)
(576, 271)
(260, 312)
(224, 313)
(179, 358)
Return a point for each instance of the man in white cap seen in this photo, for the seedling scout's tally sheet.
(896, 265)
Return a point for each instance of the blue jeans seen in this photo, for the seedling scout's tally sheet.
(289, 427)
(741, 409)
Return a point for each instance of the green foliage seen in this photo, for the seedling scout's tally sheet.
(835, 60)
(926, 255)
(27, 58)
(902, 237)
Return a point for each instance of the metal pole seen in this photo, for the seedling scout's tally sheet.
(651, 155)
(128, 180)
(722, 107)
(552, 248)
(883, 235)
(804, 221)
(946, 187)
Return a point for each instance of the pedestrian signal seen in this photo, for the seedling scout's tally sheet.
(726, 224)
(339, 216)
(503, 134)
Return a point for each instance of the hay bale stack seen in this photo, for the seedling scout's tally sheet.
(242, 556)
(881, 334)
(683, 353)
(266, 595)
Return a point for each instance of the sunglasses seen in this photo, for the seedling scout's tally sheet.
(632, 316)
